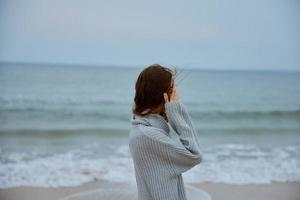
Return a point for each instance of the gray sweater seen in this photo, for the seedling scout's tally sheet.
(159, 160)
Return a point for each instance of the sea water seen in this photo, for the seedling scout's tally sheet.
(63, 125)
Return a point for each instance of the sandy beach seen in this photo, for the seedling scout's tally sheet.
(217, 191)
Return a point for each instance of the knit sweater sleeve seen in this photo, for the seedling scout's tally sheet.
(182, 155)
(182, 124)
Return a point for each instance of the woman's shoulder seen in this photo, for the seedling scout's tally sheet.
(148, 134)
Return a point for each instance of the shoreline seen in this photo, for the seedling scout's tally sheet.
(217, 191)
(272, 191)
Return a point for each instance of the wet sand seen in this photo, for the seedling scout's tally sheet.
(274, 191)
(102, 189)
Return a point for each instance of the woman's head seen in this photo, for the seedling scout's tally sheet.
(152, 82)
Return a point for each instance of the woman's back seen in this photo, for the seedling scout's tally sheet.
(159, 161)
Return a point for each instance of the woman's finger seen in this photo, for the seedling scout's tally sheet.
(175, 95)
(166, 97)
(174, 92)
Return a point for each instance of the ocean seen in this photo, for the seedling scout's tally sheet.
(64, 125)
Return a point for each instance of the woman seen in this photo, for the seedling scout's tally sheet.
(159, 161)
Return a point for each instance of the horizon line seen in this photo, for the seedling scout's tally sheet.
(139, 67)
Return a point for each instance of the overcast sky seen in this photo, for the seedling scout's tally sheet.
(224, 34)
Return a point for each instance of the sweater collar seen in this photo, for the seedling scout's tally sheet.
(151, 119)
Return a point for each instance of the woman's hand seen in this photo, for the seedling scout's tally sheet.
(174, 96)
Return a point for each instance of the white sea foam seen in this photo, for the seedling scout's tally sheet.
(228, 163)
(239, 164)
